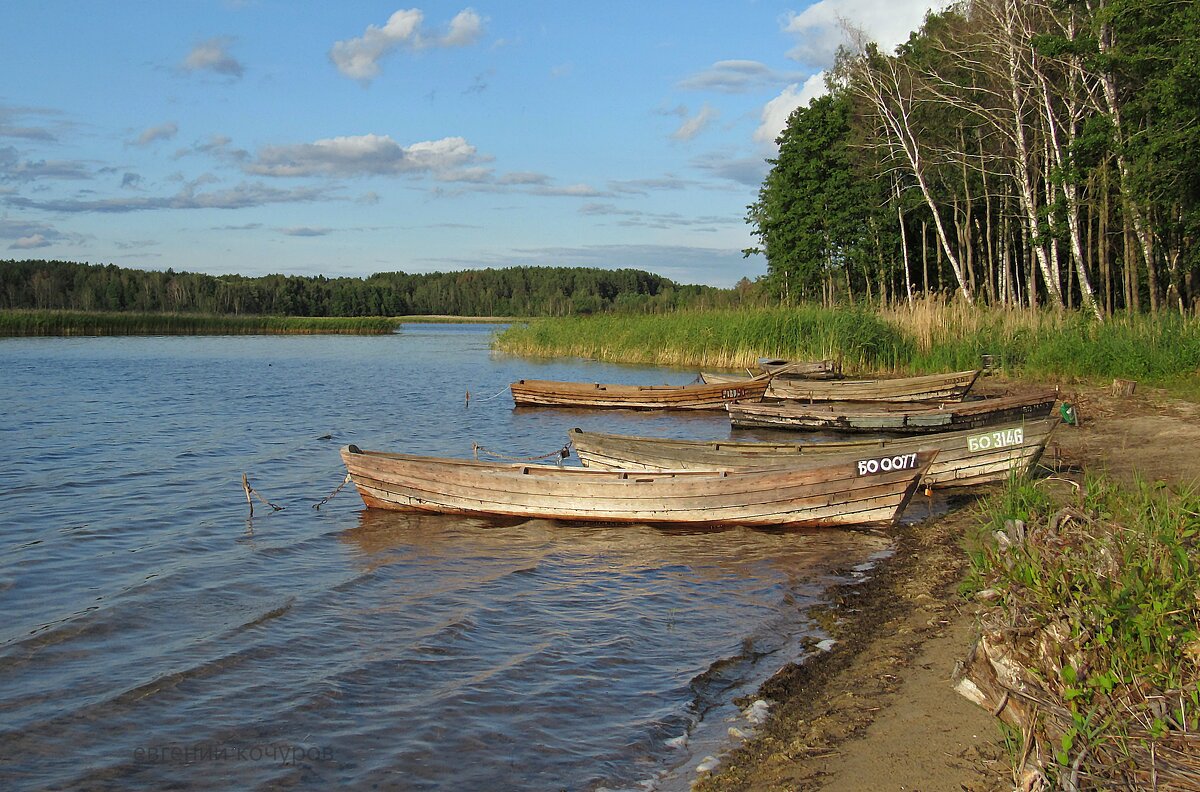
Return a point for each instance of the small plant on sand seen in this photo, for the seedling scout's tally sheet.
(1092, 643)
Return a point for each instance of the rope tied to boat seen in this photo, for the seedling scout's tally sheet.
(329, 497)
(561, 454)
(251, 491)
(495, 395)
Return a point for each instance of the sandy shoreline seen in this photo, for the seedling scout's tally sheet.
(877, 712)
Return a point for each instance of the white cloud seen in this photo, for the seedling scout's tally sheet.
(26, 235)
(818, 28)
(358, 58)
(524, 177)
(306, 231)
(570, 191)
(213, 55)
(465, 29)
(696, 124)
(364, 155)
(735, 76)
(30, 242)
(239, 197)
(775, 113)
(161, 132)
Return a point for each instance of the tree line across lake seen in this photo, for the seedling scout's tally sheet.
(515, 291)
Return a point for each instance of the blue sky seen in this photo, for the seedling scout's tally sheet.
(346, 138)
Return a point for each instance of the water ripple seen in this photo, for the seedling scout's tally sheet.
(149, 619)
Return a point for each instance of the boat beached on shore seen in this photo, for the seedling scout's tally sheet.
(965, 458)
(917, 418)
(801, 369)
(946, 387)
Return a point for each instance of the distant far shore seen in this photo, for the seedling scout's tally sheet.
(118, 323)
(24, 322)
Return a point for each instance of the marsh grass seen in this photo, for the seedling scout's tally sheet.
(930, 336)
(730, 339)
(96, 323)
(1160, 350)
(1101, 597)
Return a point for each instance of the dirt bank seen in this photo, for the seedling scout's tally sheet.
(877, 712)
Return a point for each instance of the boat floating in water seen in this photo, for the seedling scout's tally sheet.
(870, 489)
(697, 396)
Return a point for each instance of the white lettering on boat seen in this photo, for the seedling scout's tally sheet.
(733, 393)
(867, 467)
(1001, 438)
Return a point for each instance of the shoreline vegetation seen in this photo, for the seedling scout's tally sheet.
(930, 336)
(1090, 630)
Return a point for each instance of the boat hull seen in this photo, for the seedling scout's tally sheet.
(870, 490)
(802, 369)
(701, 396)
(943, 387)
(965, 458)
(891, 417)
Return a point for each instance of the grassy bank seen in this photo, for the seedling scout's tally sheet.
(89, 323)
(930, 336)
(1096, 611)
(717, 338)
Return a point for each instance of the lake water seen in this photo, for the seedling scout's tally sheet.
(155, 636)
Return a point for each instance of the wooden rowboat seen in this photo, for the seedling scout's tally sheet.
(872, 489)
(701, 396)
(944, 387)
(802, 369)
(965, 458)
(893, 417)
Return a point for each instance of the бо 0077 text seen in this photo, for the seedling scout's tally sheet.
(899, 462)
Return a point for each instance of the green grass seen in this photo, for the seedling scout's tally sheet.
(1101, 595)
(931, 336)
(97, 323)
(716, 338)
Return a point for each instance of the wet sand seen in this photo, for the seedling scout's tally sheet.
(878, 712)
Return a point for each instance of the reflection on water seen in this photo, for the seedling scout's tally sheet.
(153, 638)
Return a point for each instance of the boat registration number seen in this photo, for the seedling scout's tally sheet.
(733, 393)
(866, 467)
(1001, 438)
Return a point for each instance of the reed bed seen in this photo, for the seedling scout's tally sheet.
(1160, 350)
(729, 339)
(95, 323)
(930, 336)
(1091, 642)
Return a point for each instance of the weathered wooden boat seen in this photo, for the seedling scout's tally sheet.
(872, 489)
(944, 387)
(802, 369)
(965, 458)
(697, 396)
(898, 389)
(893, 416)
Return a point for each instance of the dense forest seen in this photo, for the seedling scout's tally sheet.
(516, 291)
(1013, 152)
